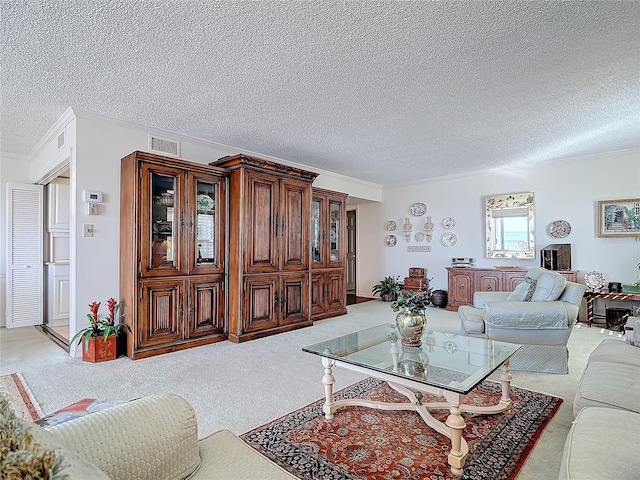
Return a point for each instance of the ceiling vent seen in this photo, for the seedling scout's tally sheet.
(61, 140)
(162, 145)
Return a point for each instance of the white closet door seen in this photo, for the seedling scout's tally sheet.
(25, 275)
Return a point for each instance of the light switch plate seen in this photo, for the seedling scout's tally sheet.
(92, 208)
(87, 230)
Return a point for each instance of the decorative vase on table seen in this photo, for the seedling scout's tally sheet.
(410, 324)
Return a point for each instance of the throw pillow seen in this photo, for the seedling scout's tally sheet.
(521, 292)
(549, 287)
(535, 272)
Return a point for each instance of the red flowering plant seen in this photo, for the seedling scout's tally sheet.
(100, 325)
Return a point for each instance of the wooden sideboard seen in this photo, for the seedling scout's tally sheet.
(465, 281)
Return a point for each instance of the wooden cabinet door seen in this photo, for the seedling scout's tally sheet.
(328, 231)
(206, 306)
(294, 298)
(317, 293)
(261, 224)
(160, 312)
(460, 288)
(206, 224)
(512, 280)
(261, 303)
(488, 281)
(294, 222)
(335, 291)
(162, 206)
(570, 275)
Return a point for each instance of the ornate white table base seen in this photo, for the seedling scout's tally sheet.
(454, 424)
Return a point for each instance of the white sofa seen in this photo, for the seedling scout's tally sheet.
(152, 438)
(602, 442)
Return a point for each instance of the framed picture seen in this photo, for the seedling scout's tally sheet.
(619, 218)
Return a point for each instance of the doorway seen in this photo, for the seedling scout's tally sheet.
(57, 292)
(351, 259)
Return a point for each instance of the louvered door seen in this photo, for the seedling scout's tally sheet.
(25, 230)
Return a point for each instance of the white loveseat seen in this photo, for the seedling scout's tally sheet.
(152, 438)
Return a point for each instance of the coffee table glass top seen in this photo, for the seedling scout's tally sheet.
(453, 362)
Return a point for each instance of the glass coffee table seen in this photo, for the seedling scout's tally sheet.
(447, 365)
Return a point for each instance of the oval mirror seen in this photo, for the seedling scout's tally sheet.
(510, 226)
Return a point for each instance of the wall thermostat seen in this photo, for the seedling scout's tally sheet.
(92, 196)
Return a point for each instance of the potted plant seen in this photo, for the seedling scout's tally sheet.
(99, 338)
(388, 288)
(411, 319)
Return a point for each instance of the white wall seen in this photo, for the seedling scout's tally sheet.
(369, 253)
(567, 190)
(357, 190)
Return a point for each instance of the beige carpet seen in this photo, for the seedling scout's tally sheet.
(243, 386)
(22, 401)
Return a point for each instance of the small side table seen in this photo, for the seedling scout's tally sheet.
(590, 297)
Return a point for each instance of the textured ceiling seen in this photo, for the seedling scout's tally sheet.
(387, 92)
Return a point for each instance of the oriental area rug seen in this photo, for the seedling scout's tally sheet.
(366, 443)
(14, 388)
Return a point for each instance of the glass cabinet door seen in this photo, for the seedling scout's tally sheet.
(205, 198)
(335, 232)
(316, 231)
(162, 189)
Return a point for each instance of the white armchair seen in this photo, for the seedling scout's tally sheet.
(539, 314)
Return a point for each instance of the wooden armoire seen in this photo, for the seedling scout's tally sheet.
(172, 253)
(241, 248)
(269, 256)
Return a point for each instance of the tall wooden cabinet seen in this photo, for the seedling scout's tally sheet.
(328, 254)
(269, 259)
(464, 282)
(172, 253)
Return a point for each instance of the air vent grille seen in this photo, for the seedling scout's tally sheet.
(61, 140)
(163, 145)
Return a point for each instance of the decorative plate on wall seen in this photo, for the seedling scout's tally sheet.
(448, 223)
(559, 229)
(391, 226)
(418, 209)
(391, 240)
(419, 237)
(449, 239)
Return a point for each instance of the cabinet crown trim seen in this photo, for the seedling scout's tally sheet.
(234, 162)
(161, 160)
